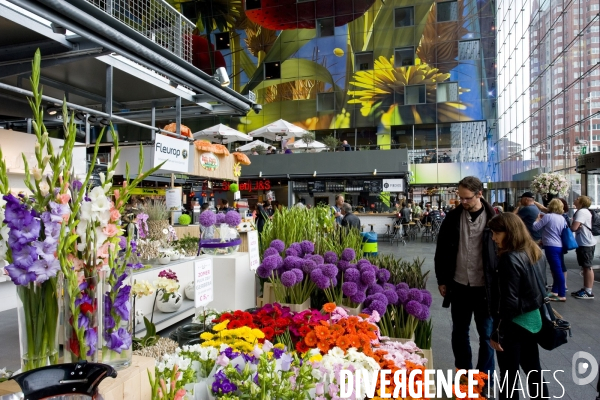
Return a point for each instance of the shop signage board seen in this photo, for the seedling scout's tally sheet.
(393, 185)
(250, 186)
(204, 281)
(209, 161)
(253, 250)
(174, 151)
(173, 199)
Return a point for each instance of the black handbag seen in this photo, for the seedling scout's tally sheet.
(554, 330)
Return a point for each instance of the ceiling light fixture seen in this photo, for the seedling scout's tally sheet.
(222, 77)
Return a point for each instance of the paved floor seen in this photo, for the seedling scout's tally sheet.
(584, 316)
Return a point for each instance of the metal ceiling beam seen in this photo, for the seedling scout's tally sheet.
(23, 51)
(24, 66)
(22, 19)
(65, 87)
(168, 113)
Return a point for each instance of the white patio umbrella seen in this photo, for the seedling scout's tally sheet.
(221, 134)
(300, 144)
(278, 130)
(253, 144)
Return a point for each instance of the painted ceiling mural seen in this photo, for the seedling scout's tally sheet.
(311, 60)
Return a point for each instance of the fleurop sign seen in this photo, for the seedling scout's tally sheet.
(393, 185)
(174, 151)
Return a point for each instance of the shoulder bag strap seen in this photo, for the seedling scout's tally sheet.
(546, 306)
(590, 229)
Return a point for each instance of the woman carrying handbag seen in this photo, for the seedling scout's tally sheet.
(517, 300)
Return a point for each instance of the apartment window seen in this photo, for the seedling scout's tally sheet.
(557, 81)
(576, 106)
(404, 56)
(559, 111)
(325, 27)
(326, 101)
(447, 92)
(595, 39)
(447, 11)
(404, 16)
(468, 50)
(273, 70)
(595, 7)
(222, 41)
(252, 4)
(596, 137)
(595, 126)
(364, 61)
(414, 94)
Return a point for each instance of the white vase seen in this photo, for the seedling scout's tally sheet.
(164, 259)
(190, 290)
(175, 255)
(171, 305)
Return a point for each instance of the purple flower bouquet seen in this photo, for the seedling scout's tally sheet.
(411, 305)
(220, 236)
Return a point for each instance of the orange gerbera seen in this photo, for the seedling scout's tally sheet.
(354, 341)
(343, 342)
(329, 307)
(324, 347)
(322, 332)
(311, 339)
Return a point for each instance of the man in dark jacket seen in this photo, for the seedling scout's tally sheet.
(350, 220)
(465, 261)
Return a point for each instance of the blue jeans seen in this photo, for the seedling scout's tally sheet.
(467, 301)
(554, 255)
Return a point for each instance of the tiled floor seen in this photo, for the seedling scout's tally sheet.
(584, 316)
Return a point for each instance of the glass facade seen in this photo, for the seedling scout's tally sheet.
(379, 74)
(549, 88)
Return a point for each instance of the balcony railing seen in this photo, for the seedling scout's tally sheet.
(156, 20)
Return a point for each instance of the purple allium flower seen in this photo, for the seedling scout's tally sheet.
(296, 246)
(308, 266)
(291, 252)
(402, 285)
(376, 296)
(270, 252)
(367, 276)
(278, 245)
(272, 262)
(334, 281)
(330, 257)
(364, 267)
(389, 286)
(402, 296)
(262, 272)
(299, 274)
(352, 275)
(208, 218)
(427, 299)
(308, 247)
(391, 295)
(375, 288)
(424, 314)
(288, 279)
(292, 262)
(348, 254)
(349, 289)
(367, 311)
(329, 270)
(319, 260)
(415, 294)
(361, 286)
(343, 265)
(413, 307)
(233, 218)
(220, 218)
(378, 306)
(320, 280)
(363, 261)
(383, 275)
(358, 297)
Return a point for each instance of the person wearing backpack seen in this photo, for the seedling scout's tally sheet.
(584, 235)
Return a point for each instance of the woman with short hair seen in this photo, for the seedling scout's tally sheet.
(518, 299)
(552, 225)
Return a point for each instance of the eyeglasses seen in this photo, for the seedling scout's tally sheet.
(463, 199)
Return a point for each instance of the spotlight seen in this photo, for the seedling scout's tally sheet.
(222, 77)
(80, 115)
(58, 29)
(52, 110)
(104, 122)
(315, 173)
(92, 119)
(375, 172)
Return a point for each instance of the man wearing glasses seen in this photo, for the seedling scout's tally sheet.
(465, 260)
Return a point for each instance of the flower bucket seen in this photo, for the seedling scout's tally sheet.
(220, 241)
(402, 340)
(353, 311)
(117, 331)
(171, 305)
(428, 354)
(298, 307)
(37, 309)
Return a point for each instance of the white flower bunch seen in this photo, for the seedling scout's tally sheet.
(167, 285)
(169, 361)
(142, 288)
(550, 183)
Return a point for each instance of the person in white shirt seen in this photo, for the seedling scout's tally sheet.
(587, 245)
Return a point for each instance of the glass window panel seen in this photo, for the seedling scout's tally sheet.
(364, 61)
(415, 94)
(404, 56)
(447, 92)
(404, 16)
(326, 101)
(325, 27)
(447, 11)
(469, 50)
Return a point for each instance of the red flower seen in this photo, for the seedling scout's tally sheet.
(235, 325)
(301, 347)
(304, 330)
(86, 308)
(282, 322)
(269, 332)
(74, 345)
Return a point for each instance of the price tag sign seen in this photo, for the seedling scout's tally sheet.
(203, 279)
(253, 250)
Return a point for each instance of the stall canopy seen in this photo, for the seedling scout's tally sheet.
(300, 144)
(221, 134)
(278, 130)
(253, 144)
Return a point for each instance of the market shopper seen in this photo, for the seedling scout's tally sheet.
(528, 212)
(518, 301)
(337, 207)
(551, 226)
(350, 220)
(465, 260)
(587, 246)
